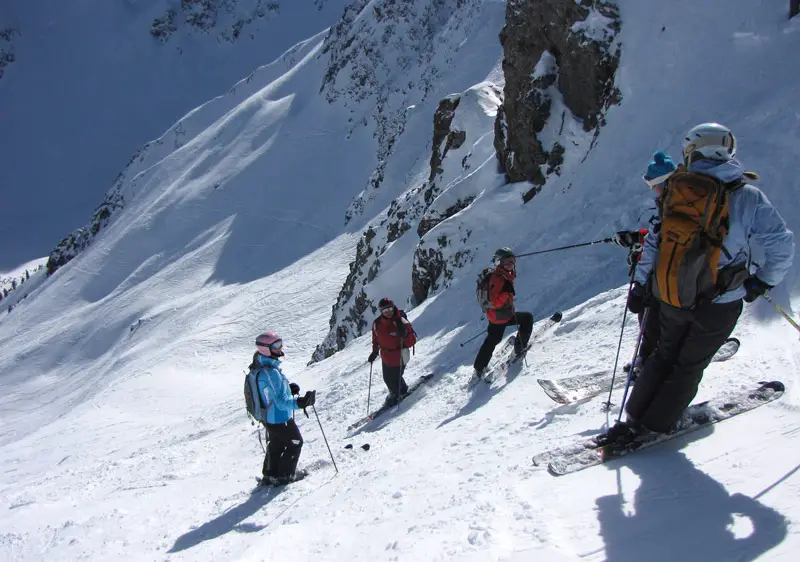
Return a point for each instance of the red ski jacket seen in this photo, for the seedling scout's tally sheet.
(501, 295)
(390, 338)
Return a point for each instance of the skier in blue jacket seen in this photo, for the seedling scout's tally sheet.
(690, 337)
(281, 400)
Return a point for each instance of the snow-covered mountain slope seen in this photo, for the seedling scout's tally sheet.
(162, 464)
(124, 433)
(86, 84)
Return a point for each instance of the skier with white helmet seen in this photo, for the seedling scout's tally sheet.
(701, 269)
(281, 399)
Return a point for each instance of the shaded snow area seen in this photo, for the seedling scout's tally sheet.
(124, 434)
(90, 82)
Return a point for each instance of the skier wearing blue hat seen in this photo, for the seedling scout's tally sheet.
(659, 170)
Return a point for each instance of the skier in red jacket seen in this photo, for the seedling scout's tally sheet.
(502, 313)
(392, 336)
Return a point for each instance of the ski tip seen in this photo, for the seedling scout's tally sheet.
(557, 317)
(777, 386)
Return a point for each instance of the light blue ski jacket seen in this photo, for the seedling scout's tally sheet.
(275, 391)
(753, 220)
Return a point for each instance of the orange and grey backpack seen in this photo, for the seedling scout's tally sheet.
(694, 223)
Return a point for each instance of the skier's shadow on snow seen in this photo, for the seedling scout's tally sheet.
(230, 520)
(682, 513)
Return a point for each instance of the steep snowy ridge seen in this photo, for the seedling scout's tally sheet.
(124, 433)
(89, 85)
(199, 120)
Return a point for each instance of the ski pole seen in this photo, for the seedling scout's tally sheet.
(369, 388)
(785, 315)
(565, 247)
(473, 337)
(621, 332)
(400, 378)
(325, 439)
(633, 362)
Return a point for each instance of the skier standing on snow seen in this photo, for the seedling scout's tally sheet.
(502, 313)
(285, 441)
(392, 337)
(697, 313)
(658, 172)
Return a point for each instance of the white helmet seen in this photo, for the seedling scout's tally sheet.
(711, 140)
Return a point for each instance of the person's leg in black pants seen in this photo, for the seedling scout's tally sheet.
(525, 322)
(671, 375)
(650, 332)
(712, 325)
(283, 450)
(393, 377)
(494, 335)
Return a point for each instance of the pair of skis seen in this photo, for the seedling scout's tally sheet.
(353, 427)
(578, 456)
(509, 357)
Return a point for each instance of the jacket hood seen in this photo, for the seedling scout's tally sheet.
(726, 172)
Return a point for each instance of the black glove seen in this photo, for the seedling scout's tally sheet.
(372, 356)
(309, 399)
(755, 287)
(637, 298)
(295, 388)
(626, 238)
(635, 254)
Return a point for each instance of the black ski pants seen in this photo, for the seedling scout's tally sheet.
(494, 335)
(393, 377)
(652, 329)
(283, 449)
(687, 344)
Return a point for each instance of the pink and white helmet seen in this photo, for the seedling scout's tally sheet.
(269, 344)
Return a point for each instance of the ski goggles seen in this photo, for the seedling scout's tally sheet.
(387, 309)
(277, 345)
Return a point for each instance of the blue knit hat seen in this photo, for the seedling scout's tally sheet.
(659, 170)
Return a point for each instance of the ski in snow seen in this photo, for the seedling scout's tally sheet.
(584, 455)
(298, 475)
(508, 355)
(386, 407)
(580, 387)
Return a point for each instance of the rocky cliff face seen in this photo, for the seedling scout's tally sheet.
(391, 52)
(560, 59)
(459, 144)
(228, 18)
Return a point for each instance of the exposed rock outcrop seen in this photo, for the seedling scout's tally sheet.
(392, 51)
(228, 17)
(421, 209)
(560, 59)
